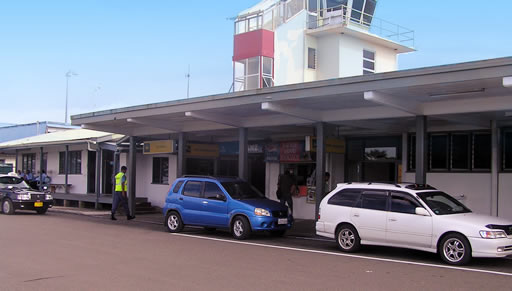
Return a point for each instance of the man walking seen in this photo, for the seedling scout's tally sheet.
(120, 194)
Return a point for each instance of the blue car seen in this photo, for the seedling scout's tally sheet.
(226, 203)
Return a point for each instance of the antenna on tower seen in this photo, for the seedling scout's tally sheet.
(188, 81)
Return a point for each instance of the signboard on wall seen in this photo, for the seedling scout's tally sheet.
(291, 151)
(202, 150)
(158, 147)
(272, 153)
(231, 148)
(332, 145)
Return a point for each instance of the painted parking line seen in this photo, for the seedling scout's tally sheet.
(345, 255)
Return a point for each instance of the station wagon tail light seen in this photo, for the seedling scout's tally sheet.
(492, 234)
(261, 212)
(23, 196)
(48, 197)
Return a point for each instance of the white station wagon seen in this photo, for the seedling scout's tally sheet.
(411, 216)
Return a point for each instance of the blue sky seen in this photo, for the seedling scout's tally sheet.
(136, 52)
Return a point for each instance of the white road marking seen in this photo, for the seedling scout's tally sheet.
(346, 255)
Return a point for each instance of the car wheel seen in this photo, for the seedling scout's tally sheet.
(42, 210)
(455, 249)
(174, 222)
(348, 239)
(240, 228)
(7, 207)
(278, 233)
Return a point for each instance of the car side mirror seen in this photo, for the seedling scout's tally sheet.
(220, 197)
(422, 211)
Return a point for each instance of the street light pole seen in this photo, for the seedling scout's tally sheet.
(69, 74)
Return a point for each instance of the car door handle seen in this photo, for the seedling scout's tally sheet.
(392, 219)
(181, 198)
(205, 202)
(356, 215)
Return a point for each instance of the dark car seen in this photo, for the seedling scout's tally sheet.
(225, 203)
(15, 194)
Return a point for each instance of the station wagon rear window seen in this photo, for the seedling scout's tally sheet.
(346, 197)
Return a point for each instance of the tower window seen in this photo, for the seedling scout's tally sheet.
(311, 58)
(368, 62)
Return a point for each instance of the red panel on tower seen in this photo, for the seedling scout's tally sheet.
(254, 43)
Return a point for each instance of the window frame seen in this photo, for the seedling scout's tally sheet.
(411, 152)
(26, 159)
(359, 203)
(367, 71)
(205, 183)
(313, 58)
(403, 195)
(160, 180)
(74, 168)
(341, 192)
(201, 183)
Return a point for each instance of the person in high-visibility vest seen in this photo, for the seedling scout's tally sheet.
(120, 194)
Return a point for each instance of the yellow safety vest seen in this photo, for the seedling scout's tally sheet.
(119, 185)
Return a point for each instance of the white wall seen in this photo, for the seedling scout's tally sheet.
(351, 56)
(289, 51)
(476, 188)
(155, 193)
(505, 195)
(328, 57)
(335, 167)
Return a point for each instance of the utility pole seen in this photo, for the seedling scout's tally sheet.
(69, 74)
(188, 81)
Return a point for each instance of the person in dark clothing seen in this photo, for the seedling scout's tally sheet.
(287, 185)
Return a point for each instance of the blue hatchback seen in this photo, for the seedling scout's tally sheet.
(218, 202)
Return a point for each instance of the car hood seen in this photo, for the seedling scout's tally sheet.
(476, 219)
(264, 203)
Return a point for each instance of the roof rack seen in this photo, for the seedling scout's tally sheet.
(370, 183)
(414, 186)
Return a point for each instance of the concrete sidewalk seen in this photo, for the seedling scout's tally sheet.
(301, 227)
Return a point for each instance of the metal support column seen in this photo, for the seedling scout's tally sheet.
(41, 168)
(243, 158)
(16, 165)
(421, 150)
(97, 178)
(494, 169)
(320, 166)
(132, 172)
(180, 167)
(116, 168)
(66, 170)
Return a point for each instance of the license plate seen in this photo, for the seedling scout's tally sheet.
(38, 204)
(282, 221)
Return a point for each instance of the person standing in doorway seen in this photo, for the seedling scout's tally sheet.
(287, 185)
(120, 195)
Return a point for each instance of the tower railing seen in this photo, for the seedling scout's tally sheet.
(359, 20)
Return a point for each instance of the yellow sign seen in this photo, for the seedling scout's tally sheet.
(332, 145)
(202, 150)
(159, 147)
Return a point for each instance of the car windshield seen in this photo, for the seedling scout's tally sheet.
(442, 204)
(15, 182)
(241, 190)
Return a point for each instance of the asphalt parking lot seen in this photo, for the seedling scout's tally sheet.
(62, 251)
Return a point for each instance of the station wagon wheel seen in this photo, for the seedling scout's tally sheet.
(7, 207)
(455, 249)
(174, 222)
(348, 239)
(240, 228)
